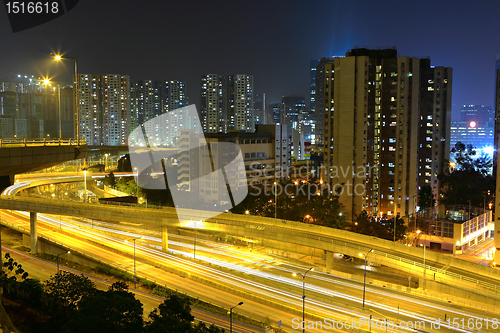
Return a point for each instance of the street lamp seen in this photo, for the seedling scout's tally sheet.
(364, 279)
(106, 162)
(304, 296)
(135, 275)
(231, 317)
(194, 248)
(58, 260)
(60, 58)
(275, 198)
(425, 267)
(85, 183)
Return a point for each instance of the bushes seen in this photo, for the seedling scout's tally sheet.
(124, 276)
(209, 307)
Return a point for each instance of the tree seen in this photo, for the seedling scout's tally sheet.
(112, 311)
(202, 328)
(469, 180)
(173, 315)
(307, 202)
(381, 228)
(69, 288)
(426, 198)
(110, 180)
(124, 164)
(12, 271)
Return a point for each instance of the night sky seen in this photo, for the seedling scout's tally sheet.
(273, 40)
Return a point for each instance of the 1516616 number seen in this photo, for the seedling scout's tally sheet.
(21, 7)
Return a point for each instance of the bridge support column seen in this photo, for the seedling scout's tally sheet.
(329, 260)
(164, 239)
(33, 234)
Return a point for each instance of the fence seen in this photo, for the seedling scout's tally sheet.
(41, 142)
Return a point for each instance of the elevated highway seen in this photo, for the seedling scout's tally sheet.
(283, 235)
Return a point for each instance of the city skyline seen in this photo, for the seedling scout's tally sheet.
(278, 61)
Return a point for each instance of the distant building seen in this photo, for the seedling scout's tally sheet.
(27, 97)
(312, 85)
(477, 113)
(479, 134)
(116, 109)
(292, 107)
(259, 110)
(257, 150)
(496, 169)
(7, 129)
(274, 112)
(21, 129)
(321, 98)
(227, 103)
(89, 100)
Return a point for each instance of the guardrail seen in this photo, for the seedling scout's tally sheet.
(310, 235)
(332, 240)
(41, 142)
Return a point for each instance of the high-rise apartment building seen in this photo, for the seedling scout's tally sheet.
(227, 103)
(496, 169)
(116, 109)
(259, 109)
(386, 128)
(175, 96)
(213, 107)
(88, 97)
(243, 102)
(150, 99)
(147, 99)
(320, 98)
(312, 85)
(104, 108)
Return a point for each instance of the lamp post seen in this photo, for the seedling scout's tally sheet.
(60, 58)
(275, 198)
(231, 317)
(425, 267)
(106, 162)
(58, 260)
(85, 183)
(194, 248)
(135, 274)
(364, 279)
(304, 296)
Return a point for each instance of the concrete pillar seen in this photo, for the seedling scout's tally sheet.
(33, 234)
(329, 260)
(164, 239)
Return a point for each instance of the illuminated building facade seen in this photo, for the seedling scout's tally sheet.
(227, 103)
(386, 128)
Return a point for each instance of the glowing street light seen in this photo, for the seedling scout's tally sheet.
(304, 296)
(135, 275)
(425, 267)
(275, 198)
(106, 162)
(231, 317)
(58, 260)
(58, 57)
(364, 279)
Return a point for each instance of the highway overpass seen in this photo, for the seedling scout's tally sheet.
(283, 235)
